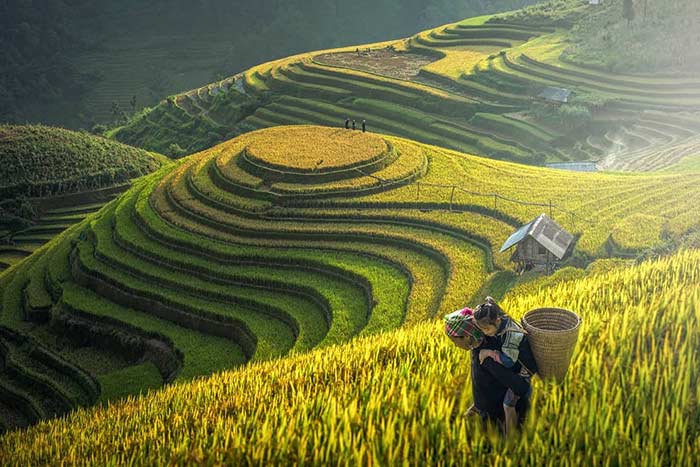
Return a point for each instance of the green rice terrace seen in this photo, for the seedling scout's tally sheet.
(475, 86)
(268, 294)
(288, 239)
(51, 178)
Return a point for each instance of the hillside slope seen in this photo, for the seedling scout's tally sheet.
(80, 62)
(659, 37)
(51, 178)
(292, 238)
(475, 86)
(39, 161)
(629, 396)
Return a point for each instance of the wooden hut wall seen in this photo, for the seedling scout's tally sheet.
(530, 250)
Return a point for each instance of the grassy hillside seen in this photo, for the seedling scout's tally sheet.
(293, 238)
(629, 396)
(658, 37)
(471, 86)
(51, 178)
(40, 161)
(76, 63)
(275, 293)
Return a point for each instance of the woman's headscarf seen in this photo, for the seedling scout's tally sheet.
(461, 324)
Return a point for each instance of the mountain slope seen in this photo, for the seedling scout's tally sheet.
(292, 238)
(51, 178)
(475, 86)
(76, 63)
(389, 399)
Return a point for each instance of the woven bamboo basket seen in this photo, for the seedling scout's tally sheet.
(552, 333)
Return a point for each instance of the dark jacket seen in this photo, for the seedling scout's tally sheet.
(491, 380)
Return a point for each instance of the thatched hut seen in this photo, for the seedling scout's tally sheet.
(540, 244)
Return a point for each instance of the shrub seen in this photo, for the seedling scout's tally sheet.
(98, 129)
(175, 151)
(574, 117)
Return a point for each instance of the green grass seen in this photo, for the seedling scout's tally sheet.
(306, 314)
(502, 84)
(11, 257)
(344, 298)
(135, 380)
(275, 336)
(498, 284)
(241, 231)
(395, 119)
(204, 354)
(517, 128)
(215, 242)
(387, 379)
(205, 251)
(43, 161)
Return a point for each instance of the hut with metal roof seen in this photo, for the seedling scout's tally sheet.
(540, 244)
(556, 95)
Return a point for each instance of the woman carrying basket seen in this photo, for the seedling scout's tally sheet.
(512, 350)
(493, 383)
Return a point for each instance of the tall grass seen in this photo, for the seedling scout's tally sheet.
(630, 396)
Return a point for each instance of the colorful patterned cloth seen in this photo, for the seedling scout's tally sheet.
(461, 323)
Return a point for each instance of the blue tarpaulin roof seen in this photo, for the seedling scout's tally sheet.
(519, 234)
(555, 94)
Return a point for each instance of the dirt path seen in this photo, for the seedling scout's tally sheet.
(386, 62)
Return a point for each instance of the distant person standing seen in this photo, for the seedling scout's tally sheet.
(364, 125)
(347, 123)
(353, 123)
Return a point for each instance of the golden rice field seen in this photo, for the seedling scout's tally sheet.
(630, 397)
(200, 256)
(592, 204)
(460, 60)
(638, 230)
(475, 89)
(311, 148)
(276, 294)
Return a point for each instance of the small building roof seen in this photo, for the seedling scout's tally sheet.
(546, 232)
(582, 166)
(518, 236)
(556, 94)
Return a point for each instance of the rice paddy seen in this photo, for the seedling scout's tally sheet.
(273, 297)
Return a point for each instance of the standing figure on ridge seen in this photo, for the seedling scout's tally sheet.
(364, 125)
(353, 123)
(347, 123)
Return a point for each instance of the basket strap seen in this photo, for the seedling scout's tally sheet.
(529, 371)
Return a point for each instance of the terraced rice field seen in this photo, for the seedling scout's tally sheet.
(392, 399)
(292, 238)
(658, 114)
(64, 176)
(301, 239)
(317, 88)
(467, 86)
(16, 246)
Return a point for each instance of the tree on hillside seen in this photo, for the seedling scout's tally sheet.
(574, 117)
(628, 10)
